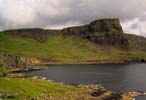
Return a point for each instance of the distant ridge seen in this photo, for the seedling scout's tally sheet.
(108, 28)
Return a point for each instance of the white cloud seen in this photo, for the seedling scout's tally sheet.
(62, 13)
(16, 12)
(135, 26)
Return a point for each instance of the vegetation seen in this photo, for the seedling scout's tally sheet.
(29, 88)
(101, 41)
(66, 49)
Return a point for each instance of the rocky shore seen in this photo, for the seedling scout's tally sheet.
(98, 92)
(88, 92)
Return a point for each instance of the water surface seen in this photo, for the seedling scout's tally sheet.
(116, 77)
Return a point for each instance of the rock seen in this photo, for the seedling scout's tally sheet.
(114, 96)
(44, 78)
(8, 95)
(106, 26)
(109, 39)
(39, 77)
(98, 93)
(100, 26)
(135, 94)
(102, 32)
(143, 60)
(13, 61)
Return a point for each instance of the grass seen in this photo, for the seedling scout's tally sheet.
(3, 70)
(57, 47)
(29, 88)
(66, 49)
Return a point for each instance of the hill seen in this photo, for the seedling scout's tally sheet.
(101, 41)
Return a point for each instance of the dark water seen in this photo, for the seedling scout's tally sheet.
(116, 77)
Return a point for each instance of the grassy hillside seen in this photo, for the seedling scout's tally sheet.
(66, 49)
(57, 47)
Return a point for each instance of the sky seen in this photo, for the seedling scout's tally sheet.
(57, 14)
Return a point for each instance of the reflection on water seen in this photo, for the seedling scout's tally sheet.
(116, 77)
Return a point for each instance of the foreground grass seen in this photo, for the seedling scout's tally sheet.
(38, 89)
(30, 88)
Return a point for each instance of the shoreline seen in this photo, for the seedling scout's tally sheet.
(45, 65)
(96, 88)
(90, 62)
(94, 91)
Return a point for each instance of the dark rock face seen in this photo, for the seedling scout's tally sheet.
(101, 32)
(114, 96)
(98, 93)
(101, 26)
(79, 30)
(108, 39)
(106, 26)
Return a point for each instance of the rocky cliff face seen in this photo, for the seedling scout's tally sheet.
(102, 32)
(13, 61)
(100, 26)
(106, 26)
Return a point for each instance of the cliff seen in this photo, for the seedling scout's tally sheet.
(100, 26)
(104, 31)
(13, 61)
(101, 32)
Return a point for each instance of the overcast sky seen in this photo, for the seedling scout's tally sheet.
(64, 13)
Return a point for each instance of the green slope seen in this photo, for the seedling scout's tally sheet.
(57, 47)
(67, 49)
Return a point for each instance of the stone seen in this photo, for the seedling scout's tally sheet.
(114, 96)
(98, 93)
(8, 95)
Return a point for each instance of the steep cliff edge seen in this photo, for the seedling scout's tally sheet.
(101, 32)
(12, 61)
(100, 26)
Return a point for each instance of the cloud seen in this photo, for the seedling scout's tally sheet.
(63, 13)
(136, 25)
